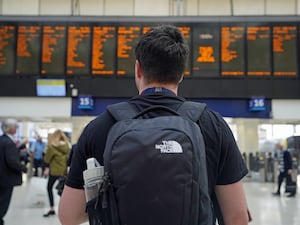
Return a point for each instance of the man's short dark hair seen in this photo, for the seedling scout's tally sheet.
(162, 54)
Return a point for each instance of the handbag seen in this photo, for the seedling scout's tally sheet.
(60, 185)
(290, 185)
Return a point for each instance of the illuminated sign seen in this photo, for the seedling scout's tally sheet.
(257, 104)
(51, 87)
(85, 102)
(219, 49)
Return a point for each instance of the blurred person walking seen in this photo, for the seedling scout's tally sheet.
(37, 152)
(11, 167)
(285, 168)
(24, 155)
(56, 157)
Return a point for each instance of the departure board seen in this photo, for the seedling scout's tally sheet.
(28, 49)
(7, 49)
(205, 51)
(259, 50)
(284, 50)
(232, 50)
(53, 49)
(186, 31)
(79, 49)
(103, 50)
(128, 35)
(225, 47)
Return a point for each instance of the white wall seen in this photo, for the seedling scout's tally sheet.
(149, 8)
(31, 107)
(96, 9)
(286, 109)
(54, 7)
(20, 7)
(214, 7)
(154, 7)
(280, 7)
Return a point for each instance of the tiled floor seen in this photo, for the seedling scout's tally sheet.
(30, 201)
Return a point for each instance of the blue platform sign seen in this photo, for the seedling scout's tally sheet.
(257, 104)
(85, 102)
(235, 108)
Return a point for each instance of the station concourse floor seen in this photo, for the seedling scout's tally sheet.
(30, 202)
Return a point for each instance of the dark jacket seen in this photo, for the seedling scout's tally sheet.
(287, 158)
(10, 165)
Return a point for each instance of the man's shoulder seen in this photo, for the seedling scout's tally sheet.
(4, 136)
(99, 124)
(286, 152)
(5, 139)
(2, 139)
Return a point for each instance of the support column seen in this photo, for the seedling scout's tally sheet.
(78, 124)
(248, 140)
(247, 131)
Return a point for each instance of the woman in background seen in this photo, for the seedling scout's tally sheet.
(56, 157)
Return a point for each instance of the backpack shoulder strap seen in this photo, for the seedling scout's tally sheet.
(125, 110)
(122, 111)
(191, 110)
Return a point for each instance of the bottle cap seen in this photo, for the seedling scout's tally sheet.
(92, 163)
(94, 170)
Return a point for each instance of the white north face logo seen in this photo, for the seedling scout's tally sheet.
(169, 147)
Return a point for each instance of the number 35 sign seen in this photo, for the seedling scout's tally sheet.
(257, 104)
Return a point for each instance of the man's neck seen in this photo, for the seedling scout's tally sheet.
(10, 136)
(171, 87)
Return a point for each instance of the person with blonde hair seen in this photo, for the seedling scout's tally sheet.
(56, 157)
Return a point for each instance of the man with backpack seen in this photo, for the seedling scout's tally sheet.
(166, 160)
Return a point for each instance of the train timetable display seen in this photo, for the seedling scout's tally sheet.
(186, 31)
(78, 49)
(7, 56)
(53, 49)
(284, 50)
(205, 51)
(232, 50)
(103, 50)
(237, 48)
(128, 36)
(28, 49)
(258, 50)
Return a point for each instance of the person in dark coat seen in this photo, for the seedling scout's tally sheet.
(10, 165)
(285, 168)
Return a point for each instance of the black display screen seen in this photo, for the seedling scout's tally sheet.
(28, 49)
(218, 49)
(206, 51)
(79, 49)
(53, 49)
(127, 37)
(103, 50)
(284, 50)
(7, 49)
(233, 50)
(259, 50)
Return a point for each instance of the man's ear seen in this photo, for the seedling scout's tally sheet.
(181, 78)
(138, 75)
(138, 70)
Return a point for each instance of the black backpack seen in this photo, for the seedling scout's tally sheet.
(155, 169)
